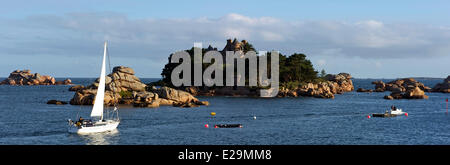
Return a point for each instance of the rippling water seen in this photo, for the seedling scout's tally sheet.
(25, 118)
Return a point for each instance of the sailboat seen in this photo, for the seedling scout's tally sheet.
(98, 122)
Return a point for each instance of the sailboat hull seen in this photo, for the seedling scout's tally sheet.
(98, 127)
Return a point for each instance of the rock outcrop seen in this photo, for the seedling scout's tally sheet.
(380, 86)
(128, 89)
(76, 88)
(364, 90)
(443, 87)
(407, 88)
(121, 79)
(342, 82)
(166, 96)
(56, 102)
(222, 91)
(399, 85)
(334, 84)
(25, 77)
(320, 90)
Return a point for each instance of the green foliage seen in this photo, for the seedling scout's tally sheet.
(319, 80)
(294, 69)
(126, 94)
(157, 83)
(248, 47)
(292, 84)
(167, 70)
(323, 73)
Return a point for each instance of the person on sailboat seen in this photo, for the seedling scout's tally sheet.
(79, 122)
(393, 108)
(81, 119)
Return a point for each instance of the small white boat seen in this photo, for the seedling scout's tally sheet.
(397, 112)
(97, 123)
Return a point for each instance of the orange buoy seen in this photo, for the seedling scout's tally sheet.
(213, 113)
(206, 126)
(368, 116)
(406, 114)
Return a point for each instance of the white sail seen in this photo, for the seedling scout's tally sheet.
(97, 110)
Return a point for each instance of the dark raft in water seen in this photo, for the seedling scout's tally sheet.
(228, 126)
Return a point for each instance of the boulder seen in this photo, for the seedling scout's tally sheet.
(25, 77)
(186, 105)
(335, 84)
(388, 97)
(415, 93)
(152, 104)
(364, 90)
(443, 87)
(124, 88)
(76, 88)
(400, 85)
(380, 86)
(411, 93)
(343, 80)
(56, 102)
(175, 95)
(202, 103)
(123, 69)
(407, 88)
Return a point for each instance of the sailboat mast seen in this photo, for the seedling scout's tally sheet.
(103, 74)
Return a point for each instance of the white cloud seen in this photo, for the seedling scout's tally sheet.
(334, 45)
(371, 24)
(80, 34)
(321, 62)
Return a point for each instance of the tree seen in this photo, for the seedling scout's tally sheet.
(297, 68)
(293, 68)
(323, 73)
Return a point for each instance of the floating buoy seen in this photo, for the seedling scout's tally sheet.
(206, 126)
(368, 116)
(406, 114)
(213, 113)
(254, 117)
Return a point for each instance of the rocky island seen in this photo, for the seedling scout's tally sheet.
(123, 87)
(407, 88)
(443, 87)
(297, 77)
(25, 77)
(334, 84)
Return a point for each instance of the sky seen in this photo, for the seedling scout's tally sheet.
(368, 39)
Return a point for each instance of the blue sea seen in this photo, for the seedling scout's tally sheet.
(25, 118)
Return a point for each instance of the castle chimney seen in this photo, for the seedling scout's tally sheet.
(228, 41)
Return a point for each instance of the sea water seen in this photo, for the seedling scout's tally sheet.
(25, 118)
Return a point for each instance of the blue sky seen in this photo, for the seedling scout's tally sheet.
(433, 11)
(377, 39)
